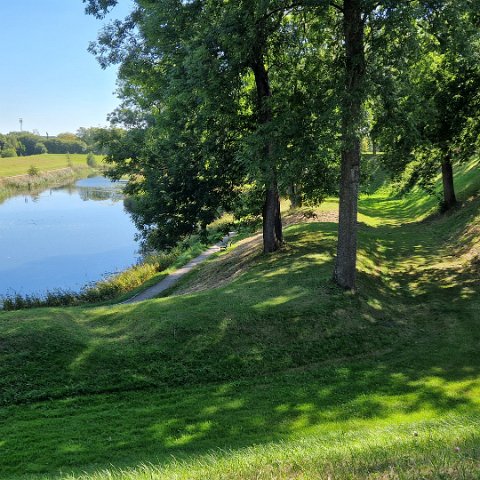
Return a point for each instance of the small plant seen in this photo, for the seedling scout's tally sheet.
(34, 171)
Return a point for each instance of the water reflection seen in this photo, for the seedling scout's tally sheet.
(64, 237)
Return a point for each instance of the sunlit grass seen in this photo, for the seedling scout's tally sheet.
(276, 374)
(46, 162)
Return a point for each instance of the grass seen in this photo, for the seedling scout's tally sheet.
(116, 288)
(20, 165)
(34, 173)
(276, 374)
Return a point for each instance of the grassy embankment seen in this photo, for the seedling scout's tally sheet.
(10, 167)
(277, 374)
(50, 169)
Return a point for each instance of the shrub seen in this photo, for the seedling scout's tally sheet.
(91, 161)
(33, 171)
(8, 153)
(40, 148)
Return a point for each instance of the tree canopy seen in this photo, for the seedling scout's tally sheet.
(223, 100)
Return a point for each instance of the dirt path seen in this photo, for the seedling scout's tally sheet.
(171, 279)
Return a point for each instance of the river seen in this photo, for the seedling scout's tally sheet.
(64, 238)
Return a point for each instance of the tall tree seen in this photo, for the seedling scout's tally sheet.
(353, 99)
(205, 68)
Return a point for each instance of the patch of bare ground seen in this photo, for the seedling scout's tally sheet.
(470, 247)
(225, 268)
(222, 269)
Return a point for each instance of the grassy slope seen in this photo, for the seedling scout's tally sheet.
(296, 378)
(20, 165)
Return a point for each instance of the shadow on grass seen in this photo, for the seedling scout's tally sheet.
(280, 352)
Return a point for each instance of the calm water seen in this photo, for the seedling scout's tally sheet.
(64, 237)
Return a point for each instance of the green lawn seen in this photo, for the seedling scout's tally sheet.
(20, 165)
(277, 374)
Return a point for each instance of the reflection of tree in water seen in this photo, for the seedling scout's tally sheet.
(99, 193)
(34, 197)
(113, 192)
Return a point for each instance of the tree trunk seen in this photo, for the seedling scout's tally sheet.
(353, 28)
(294, 196)
(449, 198)
(272, 224)
(272, 221)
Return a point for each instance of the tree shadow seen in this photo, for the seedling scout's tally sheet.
(277, 353)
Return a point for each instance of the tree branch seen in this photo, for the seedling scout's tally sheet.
(299, 4)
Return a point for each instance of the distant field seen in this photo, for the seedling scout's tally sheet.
(19, 165)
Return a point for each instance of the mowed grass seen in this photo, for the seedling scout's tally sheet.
(20, 165)
(277, 374)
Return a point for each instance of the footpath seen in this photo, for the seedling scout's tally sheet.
(173, 278)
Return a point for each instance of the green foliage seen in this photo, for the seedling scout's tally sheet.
(274, 372)
(431, 97)
(68, 143)
(40, 148)
(89, 137)
(27, 144)
(8, 152)
(200, 126)
(91, 160)
(33, 171)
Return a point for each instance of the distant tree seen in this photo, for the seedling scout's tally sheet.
(9, 145)
(88, 136)
(65, 143)
(29, 143)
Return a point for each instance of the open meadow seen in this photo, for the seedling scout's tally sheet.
(21, 165)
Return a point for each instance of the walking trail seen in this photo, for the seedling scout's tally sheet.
(173, 278)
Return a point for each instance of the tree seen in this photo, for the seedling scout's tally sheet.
(435, 99)
(88, 136)
(176, 147)
(8, 145)
(207, 69)
(353, 99)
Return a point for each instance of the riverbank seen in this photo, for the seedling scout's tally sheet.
(35, 184)
(273, 372)
(32, 174)
(130, 285)
(14, 166)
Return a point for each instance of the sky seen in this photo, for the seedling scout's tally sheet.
(47, 76)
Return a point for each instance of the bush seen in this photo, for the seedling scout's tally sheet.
(91, 161)
(8, 153)
(40, 148)
(33, 171)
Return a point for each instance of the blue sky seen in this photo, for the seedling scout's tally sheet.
(47, 76)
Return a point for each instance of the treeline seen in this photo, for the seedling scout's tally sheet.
(16, 144)
(229, 105)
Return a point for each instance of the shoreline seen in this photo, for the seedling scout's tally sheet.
(32, 184)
